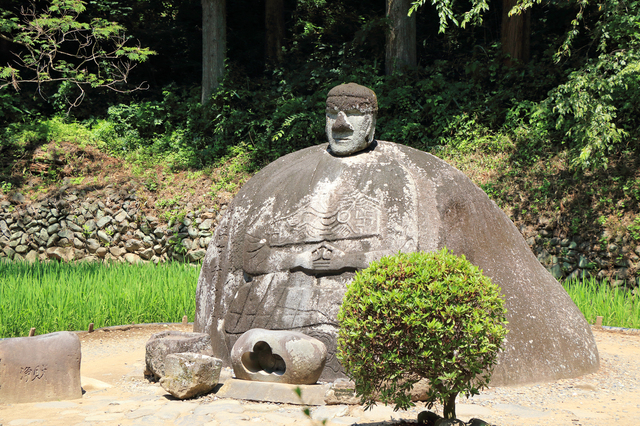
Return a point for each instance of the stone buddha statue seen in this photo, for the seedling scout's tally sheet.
(295, 234)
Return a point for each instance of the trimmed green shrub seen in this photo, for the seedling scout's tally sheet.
(420, 315)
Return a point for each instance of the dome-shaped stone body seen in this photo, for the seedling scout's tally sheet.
(292, 238)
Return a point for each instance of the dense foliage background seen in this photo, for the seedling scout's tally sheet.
(537, 135)
(583, 93)
(578, 91)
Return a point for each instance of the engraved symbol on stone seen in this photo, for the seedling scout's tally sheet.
(343, 217)
(25, 372)
(29, 374)
(353, 216)
(39, 371)
(322, 257)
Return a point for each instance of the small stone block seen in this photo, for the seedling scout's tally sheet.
(41, 368)
(189, 374)
(598, 321)
(342, 391)
(173, 342)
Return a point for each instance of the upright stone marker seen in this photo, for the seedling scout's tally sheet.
(40, 368)
(293, 237)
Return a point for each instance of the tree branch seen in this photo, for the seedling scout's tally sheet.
(85, 63)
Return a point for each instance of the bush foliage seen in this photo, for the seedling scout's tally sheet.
(420, 315)
(461, 95)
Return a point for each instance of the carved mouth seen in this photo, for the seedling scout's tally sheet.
(342, 139)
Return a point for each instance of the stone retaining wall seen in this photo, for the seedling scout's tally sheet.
(109, 226)
(574, 258)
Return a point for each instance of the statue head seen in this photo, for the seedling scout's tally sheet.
(351, 118)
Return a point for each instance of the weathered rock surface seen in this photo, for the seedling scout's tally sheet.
(294, 235)
(172, 342)
(41, 368)
(190, 374)
(58, 253)
(342, 391)
(428, 418)
(477, 422)
(278, 356)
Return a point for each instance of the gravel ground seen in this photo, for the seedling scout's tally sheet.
(116, 393)
(612, 393)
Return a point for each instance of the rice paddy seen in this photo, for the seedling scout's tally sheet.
(619, 307)
(57, 296)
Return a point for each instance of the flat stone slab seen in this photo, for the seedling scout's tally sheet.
(89, 384)
(59, 405)
(473, 410)
(41, 368)
(520, 411)
(273, 392)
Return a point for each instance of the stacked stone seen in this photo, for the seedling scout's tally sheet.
(110, 227)
(575, 258)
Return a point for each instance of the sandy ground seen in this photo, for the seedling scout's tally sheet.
(117, 394)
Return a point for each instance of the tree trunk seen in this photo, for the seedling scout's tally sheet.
(274, 24)
(401, 38)
(449, 409)
(214, 44)
(516, 31)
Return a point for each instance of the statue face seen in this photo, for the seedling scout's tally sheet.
(349, 131)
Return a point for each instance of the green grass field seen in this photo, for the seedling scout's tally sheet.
(56, 296)
(618, 307)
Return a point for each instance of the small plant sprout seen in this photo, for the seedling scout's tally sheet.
(416, 316)
(6, 187)
(306, 410)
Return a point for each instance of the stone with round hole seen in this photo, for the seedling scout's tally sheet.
(279, 356)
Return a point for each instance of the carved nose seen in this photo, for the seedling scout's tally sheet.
(341, 124)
